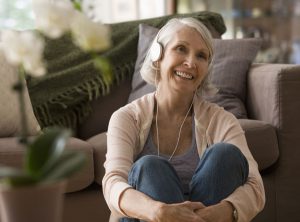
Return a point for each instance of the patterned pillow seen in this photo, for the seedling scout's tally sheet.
(9, 111)
(232, 61)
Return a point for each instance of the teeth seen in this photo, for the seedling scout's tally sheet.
(184, 75)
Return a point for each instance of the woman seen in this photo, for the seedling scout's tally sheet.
(173, 156)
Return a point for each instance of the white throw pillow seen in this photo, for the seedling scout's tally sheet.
(10, 121)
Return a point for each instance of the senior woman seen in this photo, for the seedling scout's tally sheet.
(172, 156)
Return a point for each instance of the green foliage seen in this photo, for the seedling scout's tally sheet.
(77, 4)
(104, 65)
(46, 160)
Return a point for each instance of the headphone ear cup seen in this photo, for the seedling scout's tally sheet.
(156, 51)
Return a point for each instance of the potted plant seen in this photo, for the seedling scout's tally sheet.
(35, 192)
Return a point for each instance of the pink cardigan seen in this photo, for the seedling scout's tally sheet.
(127, 133)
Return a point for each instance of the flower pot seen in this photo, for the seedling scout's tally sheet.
(38, 203)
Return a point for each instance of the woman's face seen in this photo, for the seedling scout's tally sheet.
(185, 61)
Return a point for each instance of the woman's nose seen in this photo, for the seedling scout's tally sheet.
(189, 62)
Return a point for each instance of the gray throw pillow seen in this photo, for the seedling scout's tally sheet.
(138, 86)
(232, 61)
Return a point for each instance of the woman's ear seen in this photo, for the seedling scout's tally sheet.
(155, 64)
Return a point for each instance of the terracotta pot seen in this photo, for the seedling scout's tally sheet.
(39, 203)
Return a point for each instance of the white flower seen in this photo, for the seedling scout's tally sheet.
(24, 48)
(53, 18)
(89, 35)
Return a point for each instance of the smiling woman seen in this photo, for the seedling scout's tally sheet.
(171, 155)
(16, 14)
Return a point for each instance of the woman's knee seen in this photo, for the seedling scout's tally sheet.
(228, 155)
(222, 150)
(221, 170)
(151, 162)
(149, 166)
(155, 176)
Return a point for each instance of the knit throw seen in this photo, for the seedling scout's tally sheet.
(62, 97)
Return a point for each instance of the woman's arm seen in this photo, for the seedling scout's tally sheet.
(138, 205)
(248, 199)
(221, 212)
(121, 143)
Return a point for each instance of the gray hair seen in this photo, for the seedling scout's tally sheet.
(164, 36)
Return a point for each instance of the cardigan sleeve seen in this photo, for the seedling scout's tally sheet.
(121, 142)
(248, 199)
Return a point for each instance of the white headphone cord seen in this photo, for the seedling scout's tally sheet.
(179, 133)
(156, 124)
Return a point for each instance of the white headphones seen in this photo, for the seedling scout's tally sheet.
(156, 51)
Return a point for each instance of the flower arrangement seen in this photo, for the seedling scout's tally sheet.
(45, 157)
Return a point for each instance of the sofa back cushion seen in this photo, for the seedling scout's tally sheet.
(9, 112)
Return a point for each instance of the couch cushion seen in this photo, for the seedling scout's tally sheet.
(262, 141)
(12, 154)
(9, 111)
(99, 144)
(85, 176)
(231, 62)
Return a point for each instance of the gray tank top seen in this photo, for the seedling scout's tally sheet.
(184, 164)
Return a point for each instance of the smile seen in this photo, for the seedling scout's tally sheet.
(183, 75)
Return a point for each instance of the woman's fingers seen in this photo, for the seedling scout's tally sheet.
(194, 205)
(181, 212)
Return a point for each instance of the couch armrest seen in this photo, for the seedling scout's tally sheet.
(273, 93)
(274, 97)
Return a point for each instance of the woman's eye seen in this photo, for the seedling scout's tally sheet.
(181, 48)
(202, 56)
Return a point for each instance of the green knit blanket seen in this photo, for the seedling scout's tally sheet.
(62, 97)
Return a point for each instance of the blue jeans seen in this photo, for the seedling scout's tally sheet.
(220, 171)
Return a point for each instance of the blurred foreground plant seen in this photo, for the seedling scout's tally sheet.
(46, 159)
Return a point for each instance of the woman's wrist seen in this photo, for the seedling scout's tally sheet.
(229, 209)
(157, 211)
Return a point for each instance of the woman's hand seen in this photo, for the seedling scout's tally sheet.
(221, 212)
(180, 212)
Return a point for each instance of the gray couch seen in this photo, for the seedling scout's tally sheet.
(272, 134)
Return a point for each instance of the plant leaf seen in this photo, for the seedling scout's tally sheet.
(45, 150)
(104, 66)
(77, 5)
(69, 163)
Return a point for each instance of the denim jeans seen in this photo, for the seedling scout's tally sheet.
(219, 172)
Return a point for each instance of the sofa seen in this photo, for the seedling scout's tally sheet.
(271, 130)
